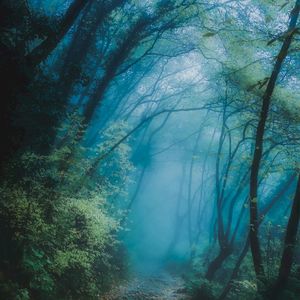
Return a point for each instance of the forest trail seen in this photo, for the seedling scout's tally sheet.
(162, 286)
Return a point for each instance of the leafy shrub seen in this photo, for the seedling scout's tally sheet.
(59, 237)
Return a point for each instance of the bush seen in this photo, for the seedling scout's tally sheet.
(59, 242)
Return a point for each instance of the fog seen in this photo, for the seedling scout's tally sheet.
(150, 150)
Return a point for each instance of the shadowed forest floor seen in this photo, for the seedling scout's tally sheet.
(161, 286)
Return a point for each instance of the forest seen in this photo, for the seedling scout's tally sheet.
(150, 149)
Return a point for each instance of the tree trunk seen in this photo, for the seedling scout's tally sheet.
(258, 150)
(81, 42)
(289, 247)
(235, 271)
(189, 194)
(216, 264)
(112, 66)
(41, 52)
(278, 194)
(290, 238)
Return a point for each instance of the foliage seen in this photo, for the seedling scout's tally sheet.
(245, 289)
(203, 289)
(81, 77)
(61, 244)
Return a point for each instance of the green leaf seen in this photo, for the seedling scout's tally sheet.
(254, 200)
(209, 34)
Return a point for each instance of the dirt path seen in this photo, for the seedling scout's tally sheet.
(162, 286)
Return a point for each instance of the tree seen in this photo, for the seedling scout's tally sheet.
(258, 148)
(289, 246)
(41, 52)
